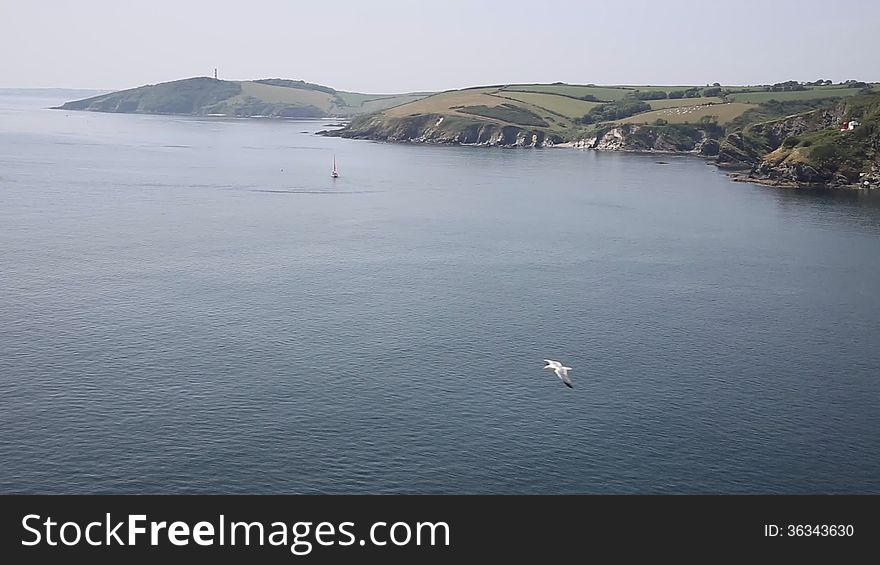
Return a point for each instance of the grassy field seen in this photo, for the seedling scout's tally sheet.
(476, 103)
(675, 103)
(284, 95)
(553, 103)
(690, 114)
(822, 92)
(379, 104)
(557, 108)
(344, 103)
(604, 93)
(510, 113)
(563, 105)
(357, 99)
(376, 102)
(445, 102)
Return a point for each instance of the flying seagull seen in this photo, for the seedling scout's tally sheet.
(561, 372)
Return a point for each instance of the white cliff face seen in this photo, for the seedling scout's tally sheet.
(613, 140)
(521, 140)
(437, 129)
(623, 137)
(637, 138)
(583, 143)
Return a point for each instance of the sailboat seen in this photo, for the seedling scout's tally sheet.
(334, 174)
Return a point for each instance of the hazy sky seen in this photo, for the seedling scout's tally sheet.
(393, 46)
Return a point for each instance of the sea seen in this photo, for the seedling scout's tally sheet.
(193, 305)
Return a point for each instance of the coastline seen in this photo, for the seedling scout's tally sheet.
(736, 174)
(791, 185)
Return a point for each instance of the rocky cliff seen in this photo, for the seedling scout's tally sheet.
(810, 149)
(674, 138)
(744, 149)
(432, 128)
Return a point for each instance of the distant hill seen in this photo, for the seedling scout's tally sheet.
(276, 98)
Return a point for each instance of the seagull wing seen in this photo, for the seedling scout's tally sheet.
(562, 373)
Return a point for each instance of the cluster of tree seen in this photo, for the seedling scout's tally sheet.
(791, 85)
(614, 111)
(676, 94)
(649, 95)
(787, 86)
(695, 92)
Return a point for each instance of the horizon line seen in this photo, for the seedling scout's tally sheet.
(421, 91)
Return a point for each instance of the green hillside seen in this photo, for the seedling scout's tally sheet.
(205, 96)
(585, 92)
(558, 111)
(568, 112)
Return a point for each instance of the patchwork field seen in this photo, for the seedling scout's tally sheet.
(560, 110)
(377, 102)
(447, 101)
(563, 105)
(552, 106)
(559, 103)
(604, 93)
(385, 102)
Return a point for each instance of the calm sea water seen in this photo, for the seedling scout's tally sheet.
(194, 305)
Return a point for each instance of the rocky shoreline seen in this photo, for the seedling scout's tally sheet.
(764, 174)
(869, 181)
